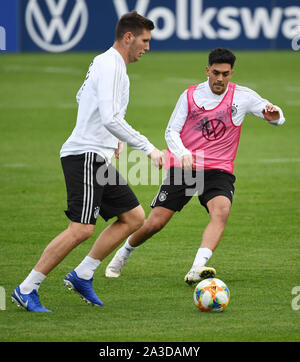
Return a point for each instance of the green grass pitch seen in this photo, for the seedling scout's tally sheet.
(258, 256)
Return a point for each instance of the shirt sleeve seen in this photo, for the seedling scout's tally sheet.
(176, 123)
(256, 104)
(109, 78)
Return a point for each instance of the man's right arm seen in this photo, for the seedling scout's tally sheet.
(172, 134)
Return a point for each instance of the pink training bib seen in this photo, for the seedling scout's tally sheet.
(210, 135)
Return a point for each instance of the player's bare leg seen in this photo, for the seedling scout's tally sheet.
(158, 218)
(219, 209)
(114, 234)
(62, 245)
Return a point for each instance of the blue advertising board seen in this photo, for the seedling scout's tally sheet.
(9, 25)
(64, 25)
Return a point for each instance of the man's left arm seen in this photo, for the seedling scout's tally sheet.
(273, 115)
(262, 108)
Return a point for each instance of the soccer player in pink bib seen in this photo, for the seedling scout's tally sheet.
(202, 137)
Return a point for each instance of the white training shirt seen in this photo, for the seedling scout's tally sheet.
(245, 101)
(102, 102)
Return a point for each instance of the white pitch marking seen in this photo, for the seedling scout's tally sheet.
(14, 165)
(292, 88)
(279, 160)
(293, 103)
(181, 80)
(49, 69)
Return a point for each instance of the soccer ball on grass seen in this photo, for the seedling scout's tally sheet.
(211, 295)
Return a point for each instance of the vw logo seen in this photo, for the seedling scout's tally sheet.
(65, 28)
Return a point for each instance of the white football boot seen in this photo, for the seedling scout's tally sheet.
(113, 269)
(195, 275)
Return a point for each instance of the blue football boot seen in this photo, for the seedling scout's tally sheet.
(83, 287)
(29, 301)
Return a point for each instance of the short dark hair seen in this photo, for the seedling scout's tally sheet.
(134, 23)
(221, 55)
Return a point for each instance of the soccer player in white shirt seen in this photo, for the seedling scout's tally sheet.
(96, 138)
(207, 118)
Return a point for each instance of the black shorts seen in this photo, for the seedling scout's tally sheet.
(94, 188)
(176, 192)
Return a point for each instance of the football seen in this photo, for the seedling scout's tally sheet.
(211, 295)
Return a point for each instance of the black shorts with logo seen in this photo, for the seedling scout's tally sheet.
(94, 188)
(179, 187)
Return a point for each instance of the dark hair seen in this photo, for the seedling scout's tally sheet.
(221, 55)
(134, 23)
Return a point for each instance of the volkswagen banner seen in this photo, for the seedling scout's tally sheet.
(75, 25)
(9, 26)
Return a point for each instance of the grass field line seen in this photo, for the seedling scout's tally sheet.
(181, 80)
(39, 106)
(295, 103)
(279, 160)
(292, 88)
(14, 165)
(48, 69)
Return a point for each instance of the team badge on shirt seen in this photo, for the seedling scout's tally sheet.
(162, 196)
(234, 109)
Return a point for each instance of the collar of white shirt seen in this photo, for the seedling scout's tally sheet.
(112, 49)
